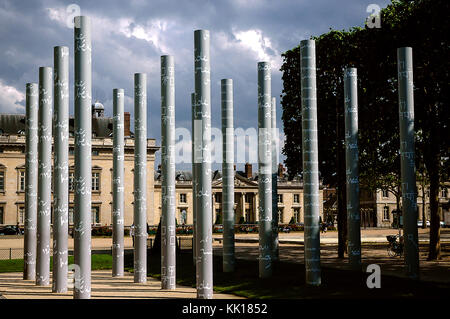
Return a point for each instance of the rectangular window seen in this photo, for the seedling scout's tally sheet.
(70, 215)
(2, 180)
(21, 215)
(248, 198)
(21, 181)
(96, 182)
(95, 214)
(183, 198)
(280, 215)
(183, 216)
(280, 198)
(71, 181)
(2, 209)
(218, 197)
(444, 193)
(296, 198)
(385, 193)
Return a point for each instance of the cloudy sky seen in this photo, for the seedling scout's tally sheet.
(130, 36)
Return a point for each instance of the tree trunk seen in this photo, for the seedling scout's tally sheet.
(424, 219)
(435, 232)
(156, 248)
(433, 160)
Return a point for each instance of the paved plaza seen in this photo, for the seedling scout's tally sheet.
(12, 286)
(374, 251)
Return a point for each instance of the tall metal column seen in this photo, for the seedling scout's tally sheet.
(407, 153)
(265, 169)
(228, 175)
(140, 178)
(352, 167)
(168, 248)
(194, 143)
(45, 174)
(83, 165)
(204, 217)
(118, 182)
(31, 181)
(61, 169)
(275, 248)
(310, 161)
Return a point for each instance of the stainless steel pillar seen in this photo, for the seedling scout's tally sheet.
(275, 248)
(61, 169)
(204, 216)
(407, 153)
(265, 169)
(118, 183)
(352, 167)
(168, 231)
(83, 165)
(45, 175)
(228, 175)
(31, 181)
(310, 161)
(140, 178)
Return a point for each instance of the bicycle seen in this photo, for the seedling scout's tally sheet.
(395, 248)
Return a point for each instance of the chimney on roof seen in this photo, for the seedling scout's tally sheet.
(248, 170)
(281, 170)
(126, 127)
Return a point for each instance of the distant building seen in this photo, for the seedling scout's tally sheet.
(12, 169)
(379, 209)
(290, 197)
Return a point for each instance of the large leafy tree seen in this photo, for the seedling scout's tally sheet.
(421, 24)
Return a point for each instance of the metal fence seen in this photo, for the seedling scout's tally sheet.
(11, 253)
(184, 243)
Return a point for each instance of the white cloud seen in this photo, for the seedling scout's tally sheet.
(11, 99)
(260, 45)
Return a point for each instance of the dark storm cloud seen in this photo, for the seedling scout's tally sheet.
(130, 36)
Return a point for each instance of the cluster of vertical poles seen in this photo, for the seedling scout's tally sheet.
(39, 129)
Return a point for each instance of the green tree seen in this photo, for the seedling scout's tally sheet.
(421, 24)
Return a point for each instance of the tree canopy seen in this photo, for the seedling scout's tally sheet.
(422, 25)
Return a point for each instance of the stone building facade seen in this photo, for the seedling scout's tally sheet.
(12, 169)
(379, 208)
(290, 197)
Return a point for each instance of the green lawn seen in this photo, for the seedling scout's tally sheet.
(288, 281)
(99, 262)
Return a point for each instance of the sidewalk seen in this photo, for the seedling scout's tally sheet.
(104, 286)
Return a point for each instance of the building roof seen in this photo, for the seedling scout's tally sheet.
(12, 124)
